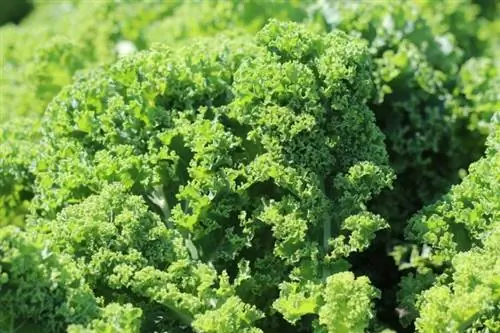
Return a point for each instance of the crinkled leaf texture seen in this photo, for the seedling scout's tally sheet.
(462, 218)
(42, 290)
(343, 303)
(198, 183)
(461, 233)
(433, 100)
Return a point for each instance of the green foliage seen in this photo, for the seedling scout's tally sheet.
(14, 10)
(38, 59)
(462, 217)
(472, 29)
(428, 116)
(206, 18)
(476, 93)
(461, 231)
(17, 154)
(39, 288)
(115, 319)
(469, 300)
(44, 290)
(258, 156)
(343, 303)
(210, 166)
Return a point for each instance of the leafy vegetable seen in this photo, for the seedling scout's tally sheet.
(212, 166)
(196, 181)
(461, 231)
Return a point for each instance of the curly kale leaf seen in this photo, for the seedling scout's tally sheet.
(235, 162)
